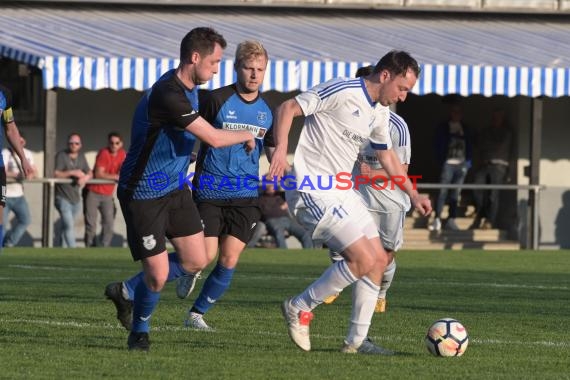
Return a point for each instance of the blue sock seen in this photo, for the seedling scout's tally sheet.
(214, 288)
(145, 302)
(175, 270)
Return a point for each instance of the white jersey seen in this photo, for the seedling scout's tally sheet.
(339, 118)
(388, 199)
(12, 163)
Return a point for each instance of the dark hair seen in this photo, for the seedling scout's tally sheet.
(114, 134)
(364, 71)
(398, 62)
(202, 40)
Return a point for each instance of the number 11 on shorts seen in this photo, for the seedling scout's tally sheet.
(339, 212)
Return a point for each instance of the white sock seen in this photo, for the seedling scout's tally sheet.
(337, 277)
(364, 296)
(387, 278)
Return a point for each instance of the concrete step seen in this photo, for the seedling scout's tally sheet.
(418, 237)
(464, 235)
(457, 246)
(422, 222)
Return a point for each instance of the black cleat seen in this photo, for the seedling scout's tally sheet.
(138, 341)
(114, 292)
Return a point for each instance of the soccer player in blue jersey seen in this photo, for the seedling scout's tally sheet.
(10, 130)
(154, 201)
(227, 179)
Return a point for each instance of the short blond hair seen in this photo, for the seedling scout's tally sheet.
(249, 49)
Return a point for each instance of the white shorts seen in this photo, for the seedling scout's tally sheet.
(337, 219)
(391, 228)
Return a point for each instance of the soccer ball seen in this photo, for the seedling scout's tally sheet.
(447, 337)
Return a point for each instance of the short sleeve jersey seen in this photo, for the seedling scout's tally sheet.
(6, 115)
(70, 191)
(339, 118)
(232, 172)
(159, 153)
(388, 199)
(112, 165)
(13, 164)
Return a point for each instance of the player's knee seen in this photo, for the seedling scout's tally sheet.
(382, 261)
(229, 260)
(363, 264)
(155, 283)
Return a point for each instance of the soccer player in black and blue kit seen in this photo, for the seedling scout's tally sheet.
(227, 179)
(154, 203)
(9, 129)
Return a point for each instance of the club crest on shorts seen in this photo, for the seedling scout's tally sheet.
(149, 242)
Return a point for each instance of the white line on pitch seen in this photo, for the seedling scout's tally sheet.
(109, 326)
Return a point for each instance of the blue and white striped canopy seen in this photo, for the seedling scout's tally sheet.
(128, 47)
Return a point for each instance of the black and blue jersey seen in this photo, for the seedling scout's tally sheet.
(5, 115)
(160, 149)
(231, 172)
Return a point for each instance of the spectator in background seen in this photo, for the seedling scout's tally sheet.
(454, 153)
(15, 199)
(99, 197)
(8, 126)
(275, 215)
(70, 163)
(494, 146)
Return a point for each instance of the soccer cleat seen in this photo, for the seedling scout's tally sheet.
(298, 322)
(114, 292)
(330, 299)
(380, 305)
(367, 347)
(435, 225)
(185, 285)
(138, 341)
(196, 321)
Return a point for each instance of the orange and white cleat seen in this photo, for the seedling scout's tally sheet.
(330, 299)
(380, 305)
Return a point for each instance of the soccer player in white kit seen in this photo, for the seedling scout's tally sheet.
(341, 115)
(387, 206)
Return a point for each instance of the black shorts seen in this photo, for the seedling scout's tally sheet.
(150, 221)
(3, 184)
(235, 217)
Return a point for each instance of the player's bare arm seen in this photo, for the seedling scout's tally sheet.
(13, 136)
(283, 121)
(366, 170)
(214, 137)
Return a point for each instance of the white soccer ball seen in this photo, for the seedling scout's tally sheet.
(447, 337)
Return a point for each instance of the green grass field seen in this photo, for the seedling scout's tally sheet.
(55, 322)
